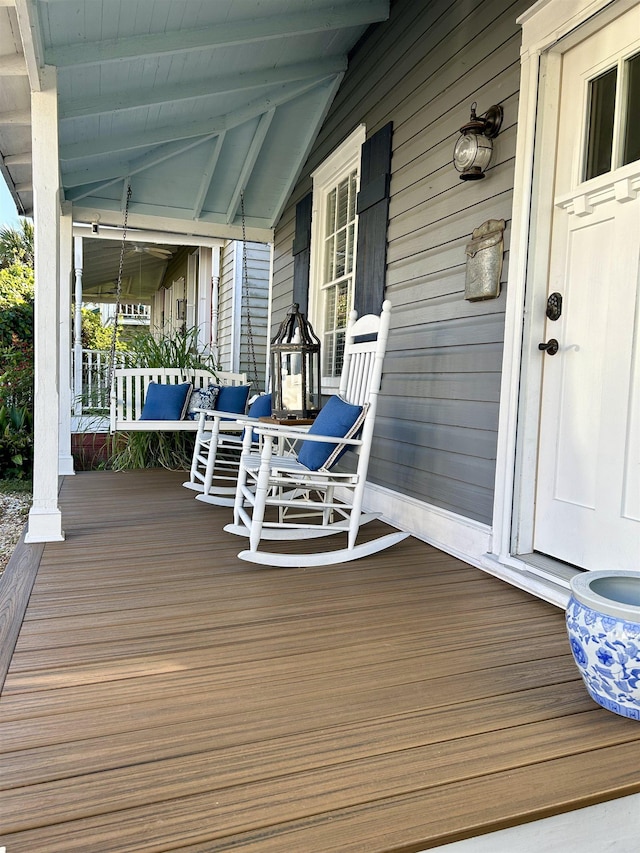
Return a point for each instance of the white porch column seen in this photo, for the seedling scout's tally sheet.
(77, 339)
(206, 285)
(45, 518)
(65, 461)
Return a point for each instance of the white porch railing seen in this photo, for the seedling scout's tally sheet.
(93, 396)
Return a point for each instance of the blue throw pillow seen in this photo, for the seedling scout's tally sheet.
(202, 398)
(232, 398)
(260, 408)
(165, 402)
(336, 418)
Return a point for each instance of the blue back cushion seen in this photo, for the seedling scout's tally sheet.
(232, 398)
(260, 408)
(336, 418)
(165, 402)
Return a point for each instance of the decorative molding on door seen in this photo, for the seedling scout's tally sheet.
(598, 191)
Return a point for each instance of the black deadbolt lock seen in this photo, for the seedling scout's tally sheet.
(554, 306)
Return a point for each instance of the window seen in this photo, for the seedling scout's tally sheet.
(613, 104)
(333, 250)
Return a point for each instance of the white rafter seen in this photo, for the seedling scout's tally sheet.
(249, 163)
(175, 131)
(191, 90)
(208, 176)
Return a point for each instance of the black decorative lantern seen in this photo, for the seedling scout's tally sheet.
(474, 147)
(295, 369)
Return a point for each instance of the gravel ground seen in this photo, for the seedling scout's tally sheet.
(14, 508)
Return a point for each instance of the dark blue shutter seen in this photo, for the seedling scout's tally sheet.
(373, 216)
(302, 253)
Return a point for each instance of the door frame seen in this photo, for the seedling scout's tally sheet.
(549, 28)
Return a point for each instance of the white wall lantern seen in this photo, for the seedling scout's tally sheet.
(473, 150)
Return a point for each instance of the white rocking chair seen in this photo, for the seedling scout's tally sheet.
(216, 453)
(302, 497)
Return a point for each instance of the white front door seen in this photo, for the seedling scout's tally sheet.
(588, 479)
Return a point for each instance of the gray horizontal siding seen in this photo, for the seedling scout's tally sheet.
(437, 426)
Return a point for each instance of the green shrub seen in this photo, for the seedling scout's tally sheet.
(172, 450)
(16, 443)
(179, 349)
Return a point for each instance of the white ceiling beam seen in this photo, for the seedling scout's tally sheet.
(190, 90)
(29, 25)
(160, 238)
(147, 216)
(205, 183)
(354, 14)
(173, 132)
(249, 162)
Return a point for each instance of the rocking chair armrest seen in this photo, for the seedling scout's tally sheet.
(281, 430)
(241, 420)
(296, 432)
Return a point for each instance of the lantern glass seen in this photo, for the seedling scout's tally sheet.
(295, 369)
(471, 155)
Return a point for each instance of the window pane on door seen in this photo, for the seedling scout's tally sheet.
(602, 101)
(631, 145)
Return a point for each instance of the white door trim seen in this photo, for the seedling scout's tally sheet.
(544, 25)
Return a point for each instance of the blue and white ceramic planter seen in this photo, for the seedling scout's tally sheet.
(603, 623)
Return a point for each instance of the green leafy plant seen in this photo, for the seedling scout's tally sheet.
(16, 304)
(95, 335)
(172, 450)
(16, 244)
(16, 443)
(177, 350)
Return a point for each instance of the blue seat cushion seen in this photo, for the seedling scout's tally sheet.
(165, 402)
(232, 398)
(336, 418)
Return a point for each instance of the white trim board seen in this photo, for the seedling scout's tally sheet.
(461, 537)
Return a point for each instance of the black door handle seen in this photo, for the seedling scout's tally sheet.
(552, 346)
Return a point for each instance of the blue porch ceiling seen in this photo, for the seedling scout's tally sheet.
(191, 102)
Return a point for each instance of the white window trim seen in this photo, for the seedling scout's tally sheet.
(341, 161)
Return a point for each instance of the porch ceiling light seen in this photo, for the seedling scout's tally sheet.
(473, 149)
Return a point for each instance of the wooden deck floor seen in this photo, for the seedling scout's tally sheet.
(165, 696)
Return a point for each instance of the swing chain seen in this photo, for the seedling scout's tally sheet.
(114, 337)
(245, 287)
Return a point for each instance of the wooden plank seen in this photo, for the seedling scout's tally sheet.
(16, 583)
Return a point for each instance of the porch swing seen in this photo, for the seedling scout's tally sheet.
(219, 436)
(157, 399)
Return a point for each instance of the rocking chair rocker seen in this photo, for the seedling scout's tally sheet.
(300, 492)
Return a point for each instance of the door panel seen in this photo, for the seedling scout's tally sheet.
(587, 489)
